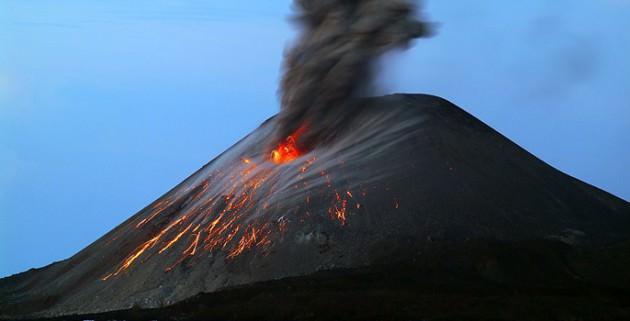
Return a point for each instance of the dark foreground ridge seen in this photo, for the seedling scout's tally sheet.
(466, 281)
(416, 211)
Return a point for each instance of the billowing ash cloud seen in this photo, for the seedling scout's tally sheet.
(332, 62)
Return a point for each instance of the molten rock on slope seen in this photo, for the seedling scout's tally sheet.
(346, 208)
(417, 184)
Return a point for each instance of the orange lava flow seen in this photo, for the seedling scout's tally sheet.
(142, 248)
(173, 241)
(285, 152)
(157, 209)
(230, 212)
(288, 150)
(340, 208)
(250, 239)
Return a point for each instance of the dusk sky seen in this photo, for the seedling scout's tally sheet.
(106, 105)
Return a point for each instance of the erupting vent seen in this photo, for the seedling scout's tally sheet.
(230, 212)
(288, 150)
(285, 152)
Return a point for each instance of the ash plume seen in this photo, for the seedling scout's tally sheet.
(332, 63)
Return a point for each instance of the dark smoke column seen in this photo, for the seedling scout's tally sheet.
(332, 63)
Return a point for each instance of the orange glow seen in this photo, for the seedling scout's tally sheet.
(340, 208)
(287, 151)
(188, 252)
(251, 238)
(142, 248)
(192, 249)
(213, 215)
(158, 208)
(173, 241)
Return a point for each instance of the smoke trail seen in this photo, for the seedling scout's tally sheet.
(332, 63)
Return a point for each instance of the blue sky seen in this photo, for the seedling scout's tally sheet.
(105, 105)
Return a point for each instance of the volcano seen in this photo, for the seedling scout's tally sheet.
(415, 210)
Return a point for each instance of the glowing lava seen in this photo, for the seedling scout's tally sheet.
(229, 212)
(287, 151)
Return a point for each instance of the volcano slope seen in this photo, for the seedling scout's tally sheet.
(415, 210)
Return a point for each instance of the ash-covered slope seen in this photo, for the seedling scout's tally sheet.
(411, 180)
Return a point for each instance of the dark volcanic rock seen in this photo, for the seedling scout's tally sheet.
(416, 210)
